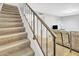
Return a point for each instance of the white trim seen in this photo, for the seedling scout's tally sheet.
(1, 6)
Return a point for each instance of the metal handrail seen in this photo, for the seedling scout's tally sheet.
(52, 33)
(46, 26)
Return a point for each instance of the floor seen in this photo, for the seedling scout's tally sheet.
(60, 51)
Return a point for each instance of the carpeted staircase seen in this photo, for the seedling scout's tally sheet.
(13, 38)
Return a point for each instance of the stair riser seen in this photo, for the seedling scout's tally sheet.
(13, 13)
(9, 16)
(10, 20)
(8, 25)
(11, 31)
(12, 9)
(8, 10)
(14, 49)
(8, 6)
(5, 40)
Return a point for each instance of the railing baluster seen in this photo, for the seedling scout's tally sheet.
(34, 25)
(62, 38)
(46, 42)
(41, 35)
(37, 29)
(54, 44)
(29, 14)
(70, 41)
(31, 19)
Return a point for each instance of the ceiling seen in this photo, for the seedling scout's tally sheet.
(56, 9)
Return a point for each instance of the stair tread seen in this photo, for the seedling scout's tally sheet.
(12, 44)
(10, 28)
(24, 52)
(9, 15)
(12, 48)
(3, 36)
(6, 31)
(6, 19)
(4, 9)
(10, 10)
(4, 39)
(10, 24)
(10, 18)
(6, 6)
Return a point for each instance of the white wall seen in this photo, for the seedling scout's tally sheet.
(71, 23)
(51, 20)
(47, 17)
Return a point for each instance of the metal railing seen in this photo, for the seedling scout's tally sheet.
(41, 31)
(74, 42)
